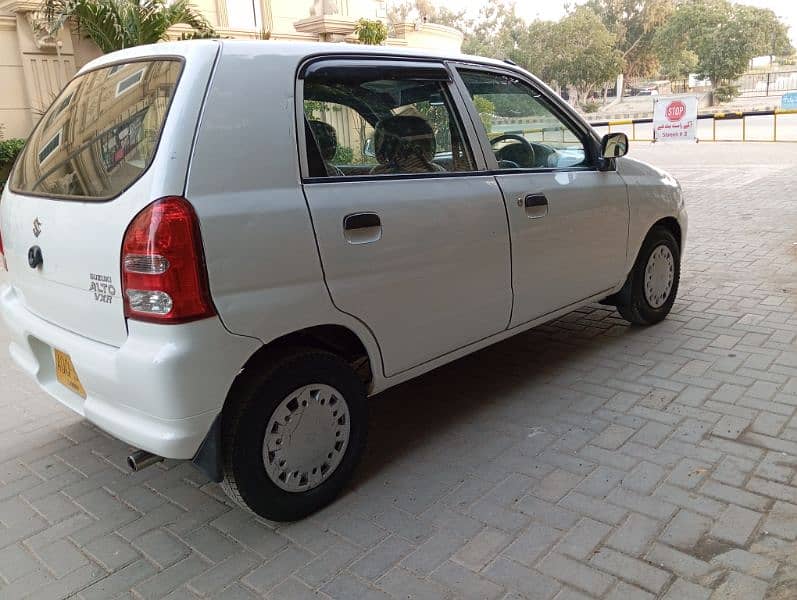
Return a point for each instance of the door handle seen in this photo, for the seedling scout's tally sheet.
(361, 221)
(362, 228)
(536, 205)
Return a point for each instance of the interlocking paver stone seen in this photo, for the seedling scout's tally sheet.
(584, 458)
(465, 583)
(686, 590)
(782, 521)
(631, 569)
(583, 538)
(644, 477)
(482, 548)
(735, 525)
(678, 562)
(601, 481)
(685, 529)
(575, 573)
(754, 565)
(634, 536)
(382, 557)
(740, 587)
(624, 591)
(532, 544)
(531, 584)
(223, 574)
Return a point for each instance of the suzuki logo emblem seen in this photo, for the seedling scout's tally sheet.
(37, 227)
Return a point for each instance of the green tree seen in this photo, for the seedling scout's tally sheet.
(634, 24)
(676, 63)
(584, 52)
(117, 24)
(723, 36)
(486, 111)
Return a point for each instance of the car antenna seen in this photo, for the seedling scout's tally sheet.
(509, 61)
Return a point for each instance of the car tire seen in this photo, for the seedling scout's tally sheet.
(274, 457)
(652, 285)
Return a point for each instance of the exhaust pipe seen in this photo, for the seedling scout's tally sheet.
(141, 459)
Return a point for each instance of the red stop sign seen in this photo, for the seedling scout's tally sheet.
(675, 110)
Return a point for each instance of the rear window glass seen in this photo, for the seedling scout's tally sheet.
(100, 134)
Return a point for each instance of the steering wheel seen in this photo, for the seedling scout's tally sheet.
(528, 159)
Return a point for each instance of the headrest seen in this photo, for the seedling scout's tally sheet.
(404, 138)
(326, 138)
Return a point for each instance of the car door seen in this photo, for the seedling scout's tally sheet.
(411, 228)
(568, 219)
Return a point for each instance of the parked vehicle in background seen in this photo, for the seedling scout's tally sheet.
(193, 268)
(646, 90)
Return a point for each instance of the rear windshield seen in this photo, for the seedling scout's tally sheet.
(100, 134)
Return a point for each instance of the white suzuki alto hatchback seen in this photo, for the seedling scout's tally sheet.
(217, 250)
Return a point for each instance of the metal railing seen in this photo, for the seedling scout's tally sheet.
(763, 123)
(752, 85)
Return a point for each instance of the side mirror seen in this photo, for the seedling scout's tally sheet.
(368, 148)
(614, 145)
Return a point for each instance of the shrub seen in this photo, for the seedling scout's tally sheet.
(373, 32)
(590, 106)
(726, 93)
(343, 156)
(9, 149)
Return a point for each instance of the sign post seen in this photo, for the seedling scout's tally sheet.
(675, 119)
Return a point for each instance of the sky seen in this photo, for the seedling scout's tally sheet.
(555, 9)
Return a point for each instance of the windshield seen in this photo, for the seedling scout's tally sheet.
(100, 134)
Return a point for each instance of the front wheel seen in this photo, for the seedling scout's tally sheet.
(649, 292)
(293, 435)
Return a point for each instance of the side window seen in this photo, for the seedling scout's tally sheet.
(524, 132)
(360, 124)
(343, 137)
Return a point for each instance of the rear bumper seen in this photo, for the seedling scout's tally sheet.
(160, 391)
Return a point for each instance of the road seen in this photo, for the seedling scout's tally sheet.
(584, 459)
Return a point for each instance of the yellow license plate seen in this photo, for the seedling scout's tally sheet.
(66, 374)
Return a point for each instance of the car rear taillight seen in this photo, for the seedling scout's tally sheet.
(164, 278)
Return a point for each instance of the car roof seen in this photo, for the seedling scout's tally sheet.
(298, 50)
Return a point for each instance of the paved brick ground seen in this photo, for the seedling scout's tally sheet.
(584, 459)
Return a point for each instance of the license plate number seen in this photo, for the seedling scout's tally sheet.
(66, 374)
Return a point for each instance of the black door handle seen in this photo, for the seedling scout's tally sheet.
(533, 200)
(361, 221)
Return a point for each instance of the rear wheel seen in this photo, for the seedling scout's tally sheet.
(294, 435)
(650, 290)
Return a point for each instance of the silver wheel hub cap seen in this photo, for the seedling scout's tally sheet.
(306, 437)
(659, 276)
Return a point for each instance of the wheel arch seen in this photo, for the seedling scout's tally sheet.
(671, 224)
(362, 354)
(338, 339)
